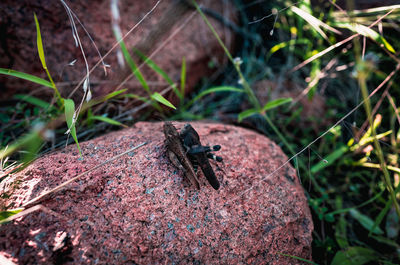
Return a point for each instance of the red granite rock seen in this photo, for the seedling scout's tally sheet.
(140, 209)
(18, 49)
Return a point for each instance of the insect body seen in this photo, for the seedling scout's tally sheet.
(177, 154)
(199, 154)
(186, 152)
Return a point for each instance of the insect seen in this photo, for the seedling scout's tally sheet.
(177, 154)
(198, 154)
(194, 152)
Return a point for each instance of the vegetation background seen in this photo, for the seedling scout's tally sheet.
(318, 77)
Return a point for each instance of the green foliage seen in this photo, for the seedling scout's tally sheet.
(213, 90)
(43, 60)
(135, 70)
(71, 120)
(183, 80)
(298, 258)
(365, 221)
(344, 175)
(330, 159)
(242, 80)
(161, 72)
(33, 100)
(367, 32)
(25, 76)
(354, 256)
(247, 113)
(43, 113)
(350, 176)
(158, 97)
(106, 120)
(154, 96)
(6, 214)
(269, 105)
(275, 103)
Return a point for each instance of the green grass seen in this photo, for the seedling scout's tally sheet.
(355, 208)
(351, 178)
(346, 152)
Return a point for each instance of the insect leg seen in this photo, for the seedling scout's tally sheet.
(216, 147)
(174, 160)
(214, 157)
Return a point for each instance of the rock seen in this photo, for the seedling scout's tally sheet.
(140, 209)
(18, 50)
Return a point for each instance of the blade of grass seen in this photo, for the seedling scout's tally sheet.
(275, 103)
(31, 150)
(130, 95)
(345, 210)
(367, 32)
(341, 231)
(252, 98)
(25, 76)
(33, 100)
(365, 221)
(385, 240)
(298, 258)
(24, 141)
(315, 76)
(89, 115)
(43, 60)
(70, 119)
(134, 96)
(158, 97)
(159, 71)
(96, 101)
(183, 78)
(285, 44)
(6, 214)
(107, 120)
(246, 113)
(314, 22)
(113, 94)
(354, 255)
(135, 70)
(330, 159)
(376, 10)
(378, 166)
(383, 213)
(213, 90)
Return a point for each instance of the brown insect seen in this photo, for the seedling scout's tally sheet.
(186, 152)
(177, 154)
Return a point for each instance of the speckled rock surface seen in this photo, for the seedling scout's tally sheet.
(140, 209)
